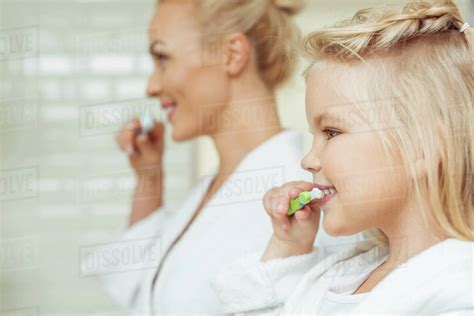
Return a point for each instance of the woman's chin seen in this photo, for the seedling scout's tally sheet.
(180, 135)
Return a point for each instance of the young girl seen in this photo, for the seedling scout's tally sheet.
(389, 102)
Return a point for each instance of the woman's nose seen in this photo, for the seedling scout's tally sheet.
(154, 85)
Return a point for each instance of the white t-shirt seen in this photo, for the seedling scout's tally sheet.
(339, 298)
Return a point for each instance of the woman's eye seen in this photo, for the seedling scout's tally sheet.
(331, 133)
(161, 58)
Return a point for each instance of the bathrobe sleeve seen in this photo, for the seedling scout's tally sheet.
(250, 286)
(122, 264)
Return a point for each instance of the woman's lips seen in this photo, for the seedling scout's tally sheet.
(167, 104)
(170, 108)
(171, 113)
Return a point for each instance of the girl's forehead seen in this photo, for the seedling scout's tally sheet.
(335, 89)
(333, 85)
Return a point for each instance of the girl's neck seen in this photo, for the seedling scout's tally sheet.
(412, 231)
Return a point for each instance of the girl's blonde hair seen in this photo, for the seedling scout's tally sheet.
(422, 77)
(267, 24)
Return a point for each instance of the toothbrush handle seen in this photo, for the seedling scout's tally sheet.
(295, 206)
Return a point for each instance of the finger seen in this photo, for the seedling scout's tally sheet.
(267, 201)
(157, 132)
(272, 203)
(307, 217)
(296, 187)
(293, 193)
(283, 221)
(314, 206)
(125, 138)
(304, 185)
(144, 145)
(281, 213)
(303, 214)
(281, 204)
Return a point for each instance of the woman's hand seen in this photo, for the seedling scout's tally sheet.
(145, 150)
(145, 153)
(294, 235)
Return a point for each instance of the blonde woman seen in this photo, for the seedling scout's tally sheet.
(390, 103)
(217, 67)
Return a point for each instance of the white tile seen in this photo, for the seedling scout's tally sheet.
(112, 65)
(130, 88)
(95, 90)
(55, 65)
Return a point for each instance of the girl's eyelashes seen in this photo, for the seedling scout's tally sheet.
(331, 133)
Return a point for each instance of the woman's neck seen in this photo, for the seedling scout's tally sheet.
(245, 124)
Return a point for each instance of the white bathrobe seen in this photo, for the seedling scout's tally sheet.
(232, 224)
(438, 280)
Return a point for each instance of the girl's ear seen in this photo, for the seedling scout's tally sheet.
(420, 168)
(421, 165)
(442, 143)
(237, 53)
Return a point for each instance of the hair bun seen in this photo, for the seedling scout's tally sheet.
(290, 7)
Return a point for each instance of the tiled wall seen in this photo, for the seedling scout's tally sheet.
(71, 73)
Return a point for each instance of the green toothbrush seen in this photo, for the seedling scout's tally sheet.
(304, 198)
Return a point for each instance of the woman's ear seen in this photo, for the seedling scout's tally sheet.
(237, 53)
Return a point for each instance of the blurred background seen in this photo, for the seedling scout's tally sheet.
(71, 73)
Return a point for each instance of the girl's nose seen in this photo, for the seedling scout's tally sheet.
(154, 85)
(311, 163)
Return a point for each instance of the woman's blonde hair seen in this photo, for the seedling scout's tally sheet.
(421, 78)
(267, 24)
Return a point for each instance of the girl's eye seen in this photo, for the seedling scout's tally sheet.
(331, 133)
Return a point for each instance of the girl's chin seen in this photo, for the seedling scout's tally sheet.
(333, 227)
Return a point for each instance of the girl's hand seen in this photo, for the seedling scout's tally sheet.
(145, 150)
(292, 235)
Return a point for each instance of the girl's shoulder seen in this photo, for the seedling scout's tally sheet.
(439, 279)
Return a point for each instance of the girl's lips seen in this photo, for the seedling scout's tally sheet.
(325, 199)
(322, 187)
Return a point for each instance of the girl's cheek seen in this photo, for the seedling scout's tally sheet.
(345, 172)
(337, 158)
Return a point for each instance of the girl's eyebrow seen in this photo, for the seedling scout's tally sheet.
(322, 117)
